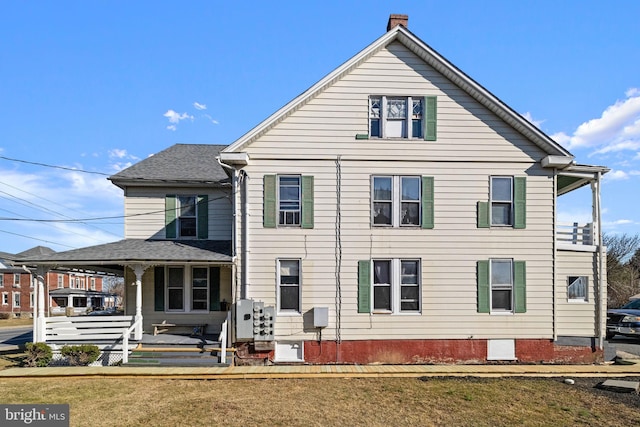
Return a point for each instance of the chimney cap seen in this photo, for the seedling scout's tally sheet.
(395, 20)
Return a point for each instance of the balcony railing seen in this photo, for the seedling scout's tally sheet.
(575, 234)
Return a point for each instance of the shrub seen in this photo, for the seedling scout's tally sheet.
(38, 355)
(80, 355)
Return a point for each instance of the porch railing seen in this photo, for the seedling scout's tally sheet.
(575, 233)
(224, 338)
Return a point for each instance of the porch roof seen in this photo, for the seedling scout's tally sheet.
(113, 257)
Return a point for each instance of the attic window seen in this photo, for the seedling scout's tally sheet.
(401, 117)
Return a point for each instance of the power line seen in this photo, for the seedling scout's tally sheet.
(53, 166)
(35, 238)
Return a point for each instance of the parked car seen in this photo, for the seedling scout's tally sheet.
(111, 311)
(624, 320)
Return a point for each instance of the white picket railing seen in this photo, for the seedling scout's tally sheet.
(224, 338)
(575, 233)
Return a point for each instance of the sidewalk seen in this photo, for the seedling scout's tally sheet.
(627, 369)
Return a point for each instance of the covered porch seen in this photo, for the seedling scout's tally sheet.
(154, 291)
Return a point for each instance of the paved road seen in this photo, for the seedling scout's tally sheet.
(12, 337)
(628, 345)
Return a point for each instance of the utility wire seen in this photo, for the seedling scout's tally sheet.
(35, 238)
(53, 166)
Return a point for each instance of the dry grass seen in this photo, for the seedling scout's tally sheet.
(324, 402)
(18, 321)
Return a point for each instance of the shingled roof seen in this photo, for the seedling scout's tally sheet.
(180, 163)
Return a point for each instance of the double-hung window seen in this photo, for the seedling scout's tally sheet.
(16, 280)
(398, 116)
(5, 298)
(289, 199)
(93, 283)
(507, 203)
(175, 289)
(577, 288)
(60, 281)
(501, 286)
(389, 286)
(289, 283)
(187, 289)
(199, 288)
(402, 201)
(186, 216)
(1, 280)
(16, 299)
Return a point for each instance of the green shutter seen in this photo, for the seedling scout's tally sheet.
(483, 214)
(214, 288)
(364, 286)
(483, 287)
(520, 286)
(170, 223)
(520, 202)
(203, 217)
(269, 202)
(431, 115)
(427, 202)
(158, 288)
(307, 202)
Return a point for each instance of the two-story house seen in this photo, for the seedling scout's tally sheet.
(394, 212)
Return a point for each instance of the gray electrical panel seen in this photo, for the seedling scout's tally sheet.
(244, 320)
(320, 317)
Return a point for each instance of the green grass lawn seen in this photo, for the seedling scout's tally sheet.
(324, 402)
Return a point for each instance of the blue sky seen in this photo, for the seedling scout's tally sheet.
(100, 85)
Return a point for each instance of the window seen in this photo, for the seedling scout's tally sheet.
(60, 281)
(289, 285)
(32, 301)
(392, 287)
(402, 117)
(200, 288)
(402, 201)
(577, 288)
(288, 201)
(175, 289)
(16, 280)
(5, 298)
(78, 283)
(186, 216)
(1, 280)
(16, 299)
(507, 203)
(501, 286)
(93, 283)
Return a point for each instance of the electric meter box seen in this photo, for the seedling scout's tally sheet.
(244, 320)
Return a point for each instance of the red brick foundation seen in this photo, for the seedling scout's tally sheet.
(425, 352)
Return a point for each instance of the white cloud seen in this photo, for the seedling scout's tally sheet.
(531, 120)
(616, 175)
(199, 106)
(617, 129)
(175, 118)
(211, 119)
(118, 153)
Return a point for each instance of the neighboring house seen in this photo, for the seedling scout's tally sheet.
(81, 290)
(395, 212)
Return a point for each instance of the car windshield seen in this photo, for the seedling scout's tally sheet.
(634, 305)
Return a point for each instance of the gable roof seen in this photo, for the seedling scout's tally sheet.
(180, 163)
(35, 251)
(430, 56)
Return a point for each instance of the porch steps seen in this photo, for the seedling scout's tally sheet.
(175, 355)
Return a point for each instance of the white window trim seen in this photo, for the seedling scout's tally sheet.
(31, 299)
(16, 280)
(491, 202)
(60, 281)
(289, 312)
(187, 289)
(5, 298)
(13, 300)
(396, 201)
(93, 283)
(408, 119)
(586, 290)
(396, 287)
(279, 210)
(491, 287)
(179, 216)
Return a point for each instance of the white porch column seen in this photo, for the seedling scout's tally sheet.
(39, 330)
(138, 270)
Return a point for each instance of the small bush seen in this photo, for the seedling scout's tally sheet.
(38, 355)
(5, 316)
(80, 355)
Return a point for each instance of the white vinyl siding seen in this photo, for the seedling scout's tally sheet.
(144, 210)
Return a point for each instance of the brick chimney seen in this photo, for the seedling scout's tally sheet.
(398, 20)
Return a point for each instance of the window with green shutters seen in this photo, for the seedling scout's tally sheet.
(389, 286)
(507, 204)
(288, 201)
(501, 286)
(409, 117)
(402, 201)
(172, 285)
(186, 217)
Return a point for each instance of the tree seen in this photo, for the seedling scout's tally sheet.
(115, 285)
(623, 259)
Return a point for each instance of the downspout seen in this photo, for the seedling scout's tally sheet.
(601, 283)
(554, 270)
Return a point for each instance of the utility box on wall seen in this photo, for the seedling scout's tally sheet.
(244, 320)
(320, 317)
(263, 322)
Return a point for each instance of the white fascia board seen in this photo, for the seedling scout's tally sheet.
(230, 158)
(556, 161)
